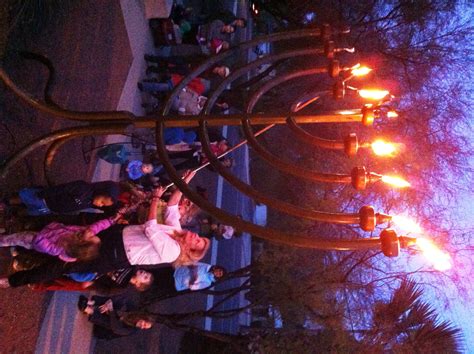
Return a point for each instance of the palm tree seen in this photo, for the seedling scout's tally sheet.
(407, 324)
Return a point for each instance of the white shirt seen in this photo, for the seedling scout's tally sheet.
(151, 243)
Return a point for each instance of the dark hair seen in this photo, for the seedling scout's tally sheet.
(244, 22)
(142, 286)
(106, 189)
(229, 160)
(131, 318)
(218, 267)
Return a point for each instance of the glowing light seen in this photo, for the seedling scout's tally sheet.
(395, 181)
(406, 224)
(392, 114)
(360, 71)
(373, 94)
(348, 112)
(381, 148)
(440, 259)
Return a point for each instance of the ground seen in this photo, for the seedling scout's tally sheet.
(89, 47)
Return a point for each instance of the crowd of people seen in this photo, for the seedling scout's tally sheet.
(111, 256)
(133, 240)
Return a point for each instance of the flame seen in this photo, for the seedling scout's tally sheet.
(360, 71)
(440, 259)
(373, 94)
(392, 114)
(407, 224)
(395, 181)
(381, 148)
(348, 112)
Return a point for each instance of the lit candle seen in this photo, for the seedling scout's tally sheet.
(373, 94)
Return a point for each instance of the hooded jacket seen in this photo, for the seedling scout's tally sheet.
(77, 195)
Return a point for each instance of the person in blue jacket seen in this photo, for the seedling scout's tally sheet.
(67, 198)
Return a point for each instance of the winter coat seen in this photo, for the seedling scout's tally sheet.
(77, 195)
(50, 239)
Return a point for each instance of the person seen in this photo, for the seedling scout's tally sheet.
(68, 197)
(111, 318)
(211, 228)
(226, 16)
(197, 276)
(169, 281)
(215, 29)
(207, 32)
(195, 157)
(178, 136)
(68, 242)
(199, 85)
(136, 169)
(165, 68)
(121, 247)
(112, 282)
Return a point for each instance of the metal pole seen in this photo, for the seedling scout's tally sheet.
(272, 235)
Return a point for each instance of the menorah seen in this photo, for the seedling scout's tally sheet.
(120, 122)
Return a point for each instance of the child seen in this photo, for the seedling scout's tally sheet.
(110, 283)
(197, 276)
(136, 169)
(210, 228)
(68, 242)
(68, 197)
(169, 281)
(112, 316)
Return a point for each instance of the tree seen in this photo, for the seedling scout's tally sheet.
(407, 324)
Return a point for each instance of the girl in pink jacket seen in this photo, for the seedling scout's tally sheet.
(68, 242)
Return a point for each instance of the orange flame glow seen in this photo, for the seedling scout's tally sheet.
(395, 181)
(406, 224)
(348, 112)
(392, 114)
(373, 94)
(381, 148)
(360, 70)
(440, 259)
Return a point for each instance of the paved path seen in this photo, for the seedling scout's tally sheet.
(75, 334)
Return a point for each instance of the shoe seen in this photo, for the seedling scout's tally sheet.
(140, 86)
(82, 303)
(151, 70)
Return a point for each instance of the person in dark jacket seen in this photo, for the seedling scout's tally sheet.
(67, 198)
(114, 317)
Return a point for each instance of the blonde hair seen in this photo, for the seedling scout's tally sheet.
(188, 256)
(77, 247)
